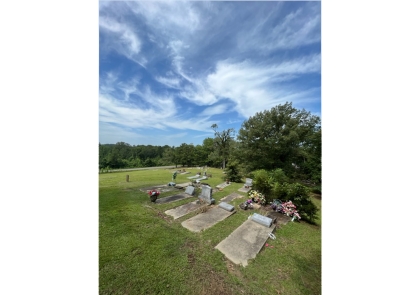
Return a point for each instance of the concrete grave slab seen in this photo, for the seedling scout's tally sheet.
(244, 189)
(184, 209)
(162, 188)
(245, 242)
(207, 219)
(223, 185)
(183, 185)
(193, 177)
(231, 197)
(173, 198)
(201, 178)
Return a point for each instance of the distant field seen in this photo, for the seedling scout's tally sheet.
(144, 251)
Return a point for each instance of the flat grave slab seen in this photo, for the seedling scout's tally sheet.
(231, 197)
(162, 188)
(245, 242)
(173, 198)
(223, 185)
(207, 219)
(244, 189)
(183, 185)
(193, 177)
(184, 209)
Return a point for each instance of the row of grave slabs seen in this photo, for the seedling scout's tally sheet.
(245, 242)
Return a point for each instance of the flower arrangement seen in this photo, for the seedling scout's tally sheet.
(287, 208)
(153, 195)
(257, 197)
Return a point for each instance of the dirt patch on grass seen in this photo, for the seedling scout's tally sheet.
(233, 269)
(165, 217)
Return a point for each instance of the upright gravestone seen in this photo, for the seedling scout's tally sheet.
(190, 190)
(248, 182)
(206, 194)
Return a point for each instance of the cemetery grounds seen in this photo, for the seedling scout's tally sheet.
(144, 251)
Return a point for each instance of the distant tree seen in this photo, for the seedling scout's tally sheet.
(222, 142)
(169, 157)
(114, 159)
(185, 154)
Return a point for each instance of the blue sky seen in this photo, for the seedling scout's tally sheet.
(169, 70)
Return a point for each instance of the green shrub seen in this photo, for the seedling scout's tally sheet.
(279, 176)
(299, 195)
(279, 191)
(233, 172)
(262, 182)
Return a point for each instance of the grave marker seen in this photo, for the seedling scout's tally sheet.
(190, 190)
(206, 194)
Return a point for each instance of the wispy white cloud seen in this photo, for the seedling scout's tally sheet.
(254, 87)
(214, 110)
(122, 39)
(170, 16)
(298, 28)
(170, 82)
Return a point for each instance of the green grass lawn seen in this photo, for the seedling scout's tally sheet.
(144, 251)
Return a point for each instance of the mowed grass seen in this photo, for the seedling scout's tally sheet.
(144, 251)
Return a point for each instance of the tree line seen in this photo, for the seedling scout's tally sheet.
(280, 138)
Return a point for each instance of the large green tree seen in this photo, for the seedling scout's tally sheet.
(223, 142)
(278, 138)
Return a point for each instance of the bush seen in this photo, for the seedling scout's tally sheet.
(299, 195)
(232, 172)
(262, 182)
(279, 176)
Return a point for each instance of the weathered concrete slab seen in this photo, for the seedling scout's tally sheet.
(231, 197)
(245, 242)
(162, 188)
(173, 198)
(184, 209)
(223, 185)
(244, 189)
(207, 219)
(193, 177)
(183, 185)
